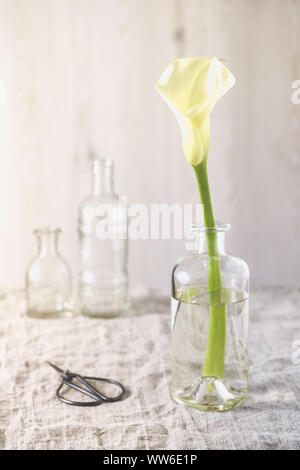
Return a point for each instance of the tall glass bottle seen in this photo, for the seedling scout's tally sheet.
(48, 279)
(103, 279)
(207, 335)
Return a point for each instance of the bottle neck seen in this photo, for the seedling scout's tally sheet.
(47, 241)
(201, 241)
(103, 177)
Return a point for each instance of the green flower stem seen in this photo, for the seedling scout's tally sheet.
(214, 358)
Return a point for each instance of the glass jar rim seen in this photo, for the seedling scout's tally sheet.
(219, 227)
(106, 162)
(46, 230)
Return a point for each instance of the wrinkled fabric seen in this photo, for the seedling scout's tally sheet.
(136, 351)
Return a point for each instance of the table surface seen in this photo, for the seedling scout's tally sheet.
(136, 351)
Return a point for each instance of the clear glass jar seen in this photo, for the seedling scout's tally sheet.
(209, 335)
(48, 279)
(103, 279)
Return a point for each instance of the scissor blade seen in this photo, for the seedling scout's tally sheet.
(58, 370)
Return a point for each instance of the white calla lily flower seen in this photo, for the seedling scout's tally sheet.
(191, 88)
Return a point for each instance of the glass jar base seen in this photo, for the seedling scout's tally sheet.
(209, 394)
(103, 302)
(104, 314)
(51, 314)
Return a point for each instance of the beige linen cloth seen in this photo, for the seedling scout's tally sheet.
(135, 350)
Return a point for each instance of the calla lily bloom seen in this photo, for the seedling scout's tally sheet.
(191, 88)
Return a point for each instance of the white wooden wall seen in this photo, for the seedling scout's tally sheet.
(80, 75)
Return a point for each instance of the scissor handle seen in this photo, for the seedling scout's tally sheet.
(68, 381)
(111, 381)
(89, 390)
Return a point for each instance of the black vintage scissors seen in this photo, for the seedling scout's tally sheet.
(88, 389)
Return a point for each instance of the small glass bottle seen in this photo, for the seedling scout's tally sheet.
(103, 279)
(199, 323)
(48, 279)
